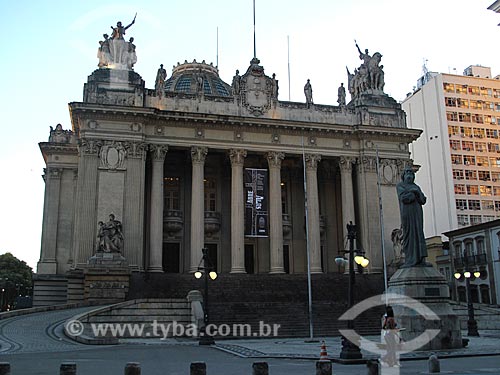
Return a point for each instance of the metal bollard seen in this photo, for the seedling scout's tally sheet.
(198, 368)
(4, 368)
(372, 366)
(324, 368)
(67, 368)
(260, 368)
(133, 368)
(434, 365)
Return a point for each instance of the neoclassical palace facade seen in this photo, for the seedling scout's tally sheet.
(172, 164)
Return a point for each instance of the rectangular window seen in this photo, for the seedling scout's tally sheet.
(474, 104)
(448, 87)
(463, 117)
(453, 130)
(469, 160)
(210, 192)
(458, 174)
(472, 190)
(477, 118)
(455, 145)
(474, 204)
(450, 102)
(462, 103)
(485, 91)
(466, 131)
(487, 119)
(482, 161)
(171, 187)
(483, 175)
(470, 175)
(480, 147)
(475, 219)
(452, 116)
(485, 190)
(459, 189)
(488, 205)
(461, 204)
(479, 133)
(461, 89)
(497, 206)
(468, 146)
(474, 90)
(487, 218)
(456, 159)
(496, 191)
(463, 220)
(495, 162)
(491, 133)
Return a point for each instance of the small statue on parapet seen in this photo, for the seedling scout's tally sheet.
(161, 76)
(110, 236)
(308, 92)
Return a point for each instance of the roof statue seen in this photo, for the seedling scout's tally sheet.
(116, 53)
(369, 77)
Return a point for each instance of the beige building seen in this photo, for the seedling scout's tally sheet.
(459, 150)
(195, 162)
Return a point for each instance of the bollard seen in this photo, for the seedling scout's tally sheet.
(133, 368)
(260, 368)
(434, 364)
(67, 368)
(198, 368)
(372, 366)
(324, 368)
(4, 368)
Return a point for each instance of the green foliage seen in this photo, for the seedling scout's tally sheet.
(15, 274)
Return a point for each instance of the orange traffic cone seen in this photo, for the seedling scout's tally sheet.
(323, 356)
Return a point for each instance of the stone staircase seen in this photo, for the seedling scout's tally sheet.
(487, 316)
(272, 299)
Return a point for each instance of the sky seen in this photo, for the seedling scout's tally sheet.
(49, 49)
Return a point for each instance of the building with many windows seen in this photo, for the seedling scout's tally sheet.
(459, 151)
(197, 163)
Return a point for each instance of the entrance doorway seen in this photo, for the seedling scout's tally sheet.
(171, 257)
(249, 259)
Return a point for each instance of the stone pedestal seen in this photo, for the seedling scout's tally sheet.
(106, 278)
(428, 286)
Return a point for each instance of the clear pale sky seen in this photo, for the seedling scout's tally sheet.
(49, 48)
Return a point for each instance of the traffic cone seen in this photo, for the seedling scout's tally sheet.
(323, 356)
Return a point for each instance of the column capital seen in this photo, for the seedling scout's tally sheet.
(136, 150)
(346, 163)
(158, 152)
(274, 158)
(52, 173)
(198, 154)
(89, 146)
(312, 161)
(237, 156)
(368, 163)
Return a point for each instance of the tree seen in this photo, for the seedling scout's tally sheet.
(15, 279)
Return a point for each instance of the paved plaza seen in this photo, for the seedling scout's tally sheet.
(35, 344)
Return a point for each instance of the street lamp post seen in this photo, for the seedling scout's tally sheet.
(208, 270)
(349, 349)
(471, 322)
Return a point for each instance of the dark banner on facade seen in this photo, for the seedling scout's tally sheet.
(256, 196)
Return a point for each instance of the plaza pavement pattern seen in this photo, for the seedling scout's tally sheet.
(43, 332)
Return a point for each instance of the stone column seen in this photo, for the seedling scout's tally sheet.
(133, 217)
(158, 153)
(313, 237)
(237, 157)
(48, 262)
(345, 164)
(369, 218)
(275, 212)
(198, 155)
(85, 229)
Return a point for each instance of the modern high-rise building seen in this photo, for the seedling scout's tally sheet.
(459, 151)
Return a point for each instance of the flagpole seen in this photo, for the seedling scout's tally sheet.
(254, 42)
(309, 287)
(381, 213)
